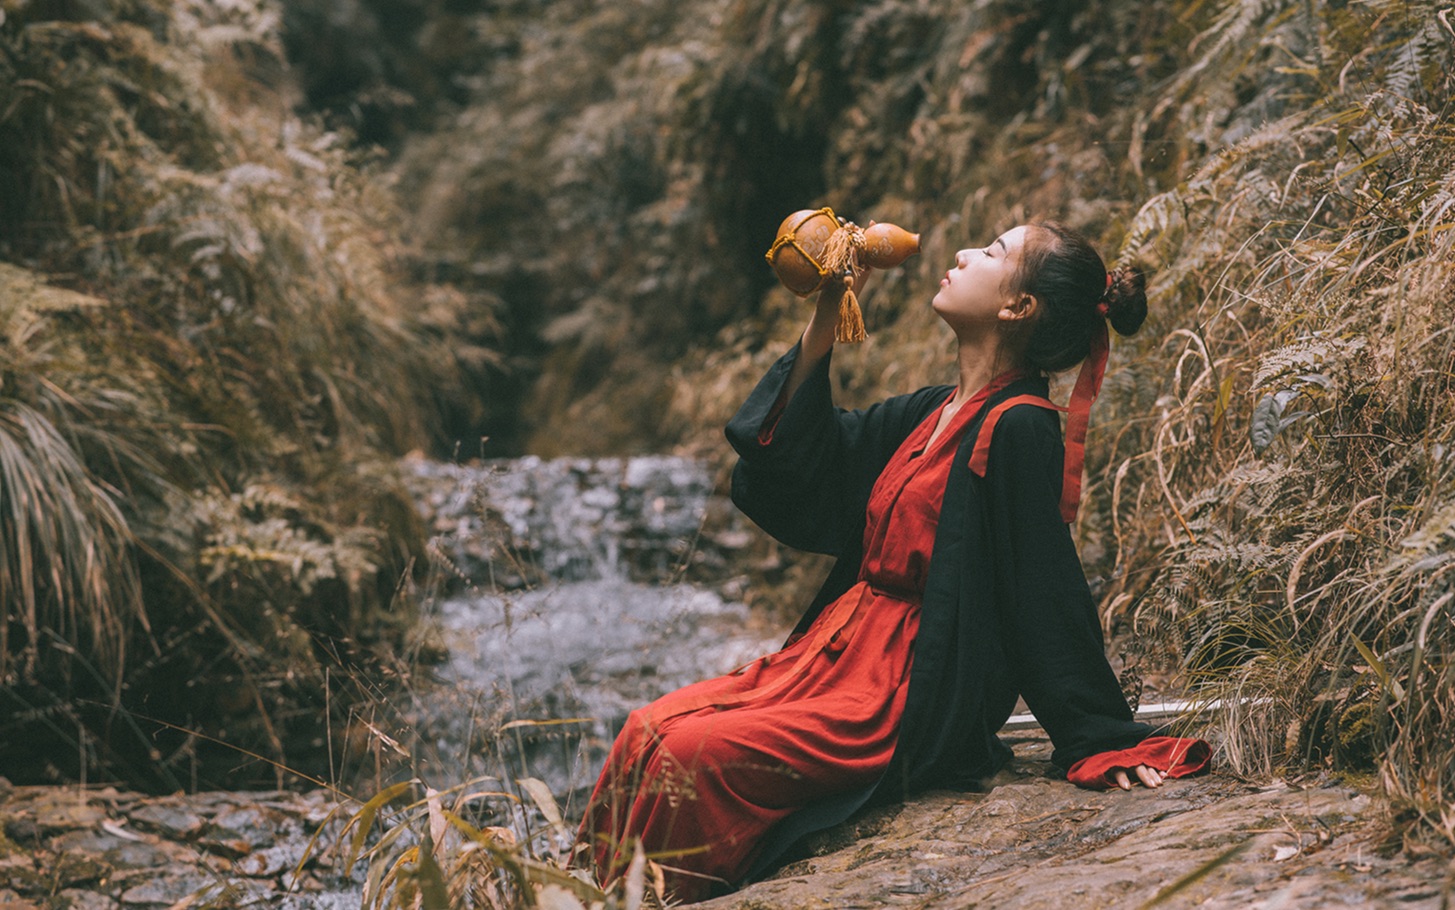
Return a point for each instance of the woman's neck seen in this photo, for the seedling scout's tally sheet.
(980, 359)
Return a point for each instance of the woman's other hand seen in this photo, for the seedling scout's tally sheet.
(1149, 777)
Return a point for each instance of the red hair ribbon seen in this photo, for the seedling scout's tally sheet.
(1088, 386)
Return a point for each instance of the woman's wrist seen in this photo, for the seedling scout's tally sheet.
(818, 337)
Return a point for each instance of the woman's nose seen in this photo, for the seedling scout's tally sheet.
(960, 257)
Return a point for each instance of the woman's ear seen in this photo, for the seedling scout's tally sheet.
(1019, 307)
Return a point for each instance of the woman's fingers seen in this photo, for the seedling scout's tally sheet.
(1149, 777)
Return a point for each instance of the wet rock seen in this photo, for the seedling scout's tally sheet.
(593, 650)
(22, 830)
(168, 818)
(518, 522)
(268, 862)
(64, 810)
(152, 852)
(118, 851)
(258, 824)
(571, 609)
(76, 899)
(18, 872)
(69, 870)
(325, 901)
(167, 890)
(9, 900)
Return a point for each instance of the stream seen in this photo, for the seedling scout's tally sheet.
(566, 609)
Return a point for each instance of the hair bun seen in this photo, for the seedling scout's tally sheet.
(1126, 299)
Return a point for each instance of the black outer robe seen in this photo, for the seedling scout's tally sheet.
(1006, 612)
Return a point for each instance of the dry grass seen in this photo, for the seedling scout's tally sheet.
(208, 428)
(427, 852)
(1296, 469)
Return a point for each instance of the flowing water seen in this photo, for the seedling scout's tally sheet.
(569, 610)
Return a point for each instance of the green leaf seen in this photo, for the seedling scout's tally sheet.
(1263, 428)
(1379, 669)
(434, 893)
(1225, 395)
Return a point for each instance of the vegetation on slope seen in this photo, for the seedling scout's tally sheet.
(1302, 552)
(199, 519)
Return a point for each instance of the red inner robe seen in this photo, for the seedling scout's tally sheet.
(702, 774)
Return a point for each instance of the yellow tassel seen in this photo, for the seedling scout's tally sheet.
(850, 329)
(841, 257)
(842, 249)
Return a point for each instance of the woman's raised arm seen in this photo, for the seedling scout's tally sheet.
(818, 337)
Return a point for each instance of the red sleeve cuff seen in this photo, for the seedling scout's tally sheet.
(1172, 756)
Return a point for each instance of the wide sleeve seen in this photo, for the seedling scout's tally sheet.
(1047, 617)
(805, 467)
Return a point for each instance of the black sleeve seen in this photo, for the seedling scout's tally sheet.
(1052, 635)
(805, 467)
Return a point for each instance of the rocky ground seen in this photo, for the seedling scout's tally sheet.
(1030, 841)
(100, 848)
(1033, 841)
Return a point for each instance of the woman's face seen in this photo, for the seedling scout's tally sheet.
(977, 290)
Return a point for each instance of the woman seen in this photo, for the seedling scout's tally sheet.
(956, 589)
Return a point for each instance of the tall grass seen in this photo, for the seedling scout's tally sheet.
(426, 848)
(1300, 534)
(200, 521)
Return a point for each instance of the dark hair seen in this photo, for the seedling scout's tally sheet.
(1060, 269)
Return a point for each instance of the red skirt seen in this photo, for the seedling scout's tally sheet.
(702, 774)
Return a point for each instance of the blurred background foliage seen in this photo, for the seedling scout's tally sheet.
(297, 239)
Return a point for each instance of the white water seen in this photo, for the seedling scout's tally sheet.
(570, 611)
